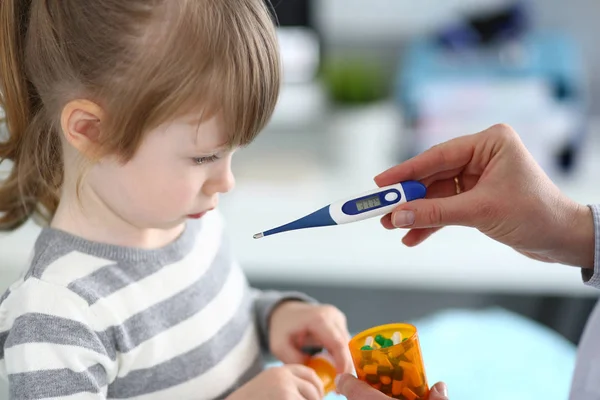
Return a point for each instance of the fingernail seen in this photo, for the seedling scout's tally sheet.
(403, 218)
(337, 381)
(441, 389)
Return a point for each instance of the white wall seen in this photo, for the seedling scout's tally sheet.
(344, 20)
(387, 21)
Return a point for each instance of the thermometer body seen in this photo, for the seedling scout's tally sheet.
(369, 204)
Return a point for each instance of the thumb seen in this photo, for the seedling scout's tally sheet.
(347, 385)
(436, 212)
(439, 391)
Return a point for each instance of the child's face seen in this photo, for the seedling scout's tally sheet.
(176, 174)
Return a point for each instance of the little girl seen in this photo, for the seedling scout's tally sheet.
(122, 118)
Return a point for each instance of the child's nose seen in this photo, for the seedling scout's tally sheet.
(228, 182)
(222, 182)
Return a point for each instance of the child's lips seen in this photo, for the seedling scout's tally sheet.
(199, 215)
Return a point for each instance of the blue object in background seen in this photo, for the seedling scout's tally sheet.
(492, 27)
(494, 355)
(551, 56)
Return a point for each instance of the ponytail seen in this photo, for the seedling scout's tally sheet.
(27, 190)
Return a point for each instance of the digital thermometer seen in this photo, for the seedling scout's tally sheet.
(366, 205)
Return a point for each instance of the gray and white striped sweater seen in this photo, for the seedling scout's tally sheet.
(96, 321)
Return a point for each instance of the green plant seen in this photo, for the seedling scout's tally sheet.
(352, 80)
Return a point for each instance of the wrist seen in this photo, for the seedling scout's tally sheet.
(578, 242)
(280, 306)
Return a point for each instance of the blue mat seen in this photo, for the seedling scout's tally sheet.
(494, 354)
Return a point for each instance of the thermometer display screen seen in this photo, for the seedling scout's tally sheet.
(368, 203)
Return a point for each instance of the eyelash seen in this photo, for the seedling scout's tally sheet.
(204, 160)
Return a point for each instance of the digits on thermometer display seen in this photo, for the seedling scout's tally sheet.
(366, 205)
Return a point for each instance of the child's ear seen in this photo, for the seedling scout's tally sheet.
(80, 121)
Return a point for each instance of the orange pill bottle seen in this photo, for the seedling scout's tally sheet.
(324, 366)
(388, 357)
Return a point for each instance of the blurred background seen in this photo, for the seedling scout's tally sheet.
(369, 84)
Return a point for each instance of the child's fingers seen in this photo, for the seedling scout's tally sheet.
(290, 354)
(308, 391)
(342, 327)
(335, 342)
(339, 349)
(310, 378)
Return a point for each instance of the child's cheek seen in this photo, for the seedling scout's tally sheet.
(180, 199)
(179, 196)
(167, 193)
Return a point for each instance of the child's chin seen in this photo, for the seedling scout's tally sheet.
(169, 225)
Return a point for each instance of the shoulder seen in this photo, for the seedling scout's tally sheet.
(60, 258)
(33, 310)
(48, 288)
(35, 296)
(61, 266)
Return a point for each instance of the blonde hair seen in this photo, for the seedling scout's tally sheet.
(143, 61)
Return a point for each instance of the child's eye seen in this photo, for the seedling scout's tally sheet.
(204, 160)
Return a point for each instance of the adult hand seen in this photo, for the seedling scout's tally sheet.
(503, 192)
(354, 389)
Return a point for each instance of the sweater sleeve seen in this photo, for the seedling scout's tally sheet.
(49, 347)
(591, 277)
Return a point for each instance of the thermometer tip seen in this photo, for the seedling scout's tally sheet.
(258, 235)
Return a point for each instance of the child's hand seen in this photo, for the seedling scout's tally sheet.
(289, 382)
(295, 325)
